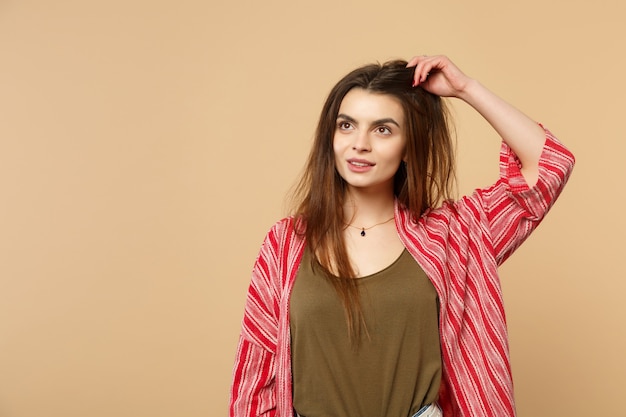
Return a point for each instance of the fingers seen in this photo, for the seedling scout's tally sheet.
(424, 64)
(413, 61)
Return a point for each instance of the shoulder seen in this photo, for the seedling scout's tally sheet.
(287, 228)
(454, 221)
(284, 241)
(449, 211)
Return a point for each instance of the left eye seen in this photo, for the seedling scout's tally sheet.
(384, 130)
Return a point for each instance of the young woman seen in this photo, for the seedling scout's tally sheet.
(379, 296)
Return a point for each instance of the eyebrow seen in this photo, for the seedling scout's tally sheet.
(375, 122)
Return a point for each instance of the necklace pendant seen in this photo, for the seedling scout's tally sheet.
(363, 232)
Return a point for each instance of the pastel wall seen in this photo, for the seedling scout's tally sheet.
(147, 146)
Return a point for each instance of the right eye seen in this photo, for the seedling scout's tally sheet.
(343, 125)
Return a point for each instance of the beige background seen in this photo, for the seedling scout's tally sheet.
(147, 146)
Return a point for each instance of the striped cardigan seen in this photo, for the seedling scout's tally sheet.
(459, 246)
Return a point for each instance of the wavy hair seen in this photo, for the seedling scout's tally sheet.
(424, 181)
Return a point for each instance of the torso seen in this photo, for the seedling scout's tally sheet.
(393, 371)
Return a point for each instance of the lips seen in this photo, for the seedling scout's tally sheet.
(360, 162)
(359, 165)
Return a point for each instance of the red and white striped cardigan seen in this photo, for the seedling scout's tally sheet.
(459, 246)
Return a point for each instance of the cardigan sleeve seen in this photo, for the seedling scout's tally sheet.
(261, 376)
(514, 209)
(253, 392)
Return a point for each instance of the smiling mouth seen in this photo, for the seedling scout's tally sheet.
(360, 164)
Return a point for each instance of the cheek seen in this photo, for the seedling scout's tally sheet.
(337, 153)
(338, 145)
(402, 152)
(397, 154)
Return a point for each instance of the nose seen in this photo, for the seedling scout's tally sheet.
(362, 142)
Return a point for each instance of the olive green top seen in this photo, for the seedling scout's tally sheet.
(393, 372)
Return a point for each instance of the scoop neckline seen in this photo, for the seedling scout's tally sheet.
(385, 269)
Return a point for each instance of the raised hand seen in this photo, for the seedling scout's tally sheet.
(437, 74)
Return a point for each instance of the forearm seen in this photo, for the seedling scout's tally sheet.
(522, 134)
(253, 390)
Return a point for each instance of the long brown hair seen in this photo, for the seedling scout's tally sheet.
(424, 181)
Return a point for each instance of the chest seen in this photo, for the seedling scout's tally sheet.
(400, 293)
(375, 251)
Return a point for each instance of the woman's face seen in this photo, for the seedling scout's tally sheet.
(369, 140)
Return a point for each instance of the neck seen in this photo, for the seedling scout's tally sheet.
(362, 208)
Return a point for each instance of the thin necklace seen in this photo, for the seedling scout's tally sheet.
(363, 229)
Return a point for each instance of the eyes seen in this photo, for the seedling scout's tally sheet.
(346, 126)
(383, 130)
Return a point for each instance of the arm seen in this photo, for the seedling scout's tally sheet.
(517, 203)
(512, 208)
(262, 374)
(438, 75)
(253, 391)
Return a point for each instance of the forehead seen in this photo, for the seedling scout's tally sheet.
(364, 104)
